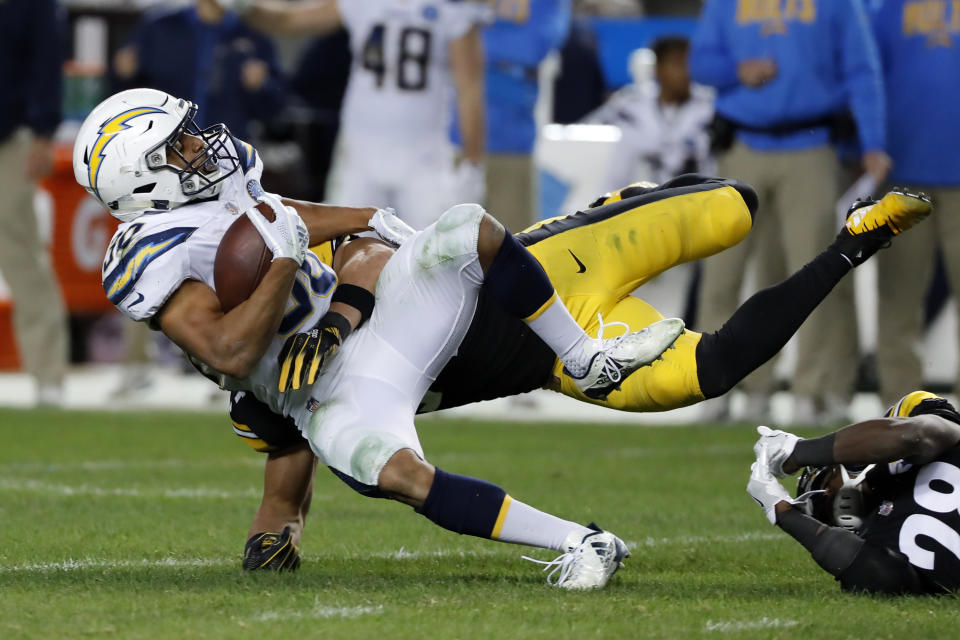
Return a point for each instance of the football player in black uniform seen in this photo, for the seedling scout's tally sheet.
(595, 258)
(879, 503)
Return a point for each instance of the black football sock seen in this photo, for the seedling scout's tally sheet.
(764, 323)
(857, 249)
(518, 282)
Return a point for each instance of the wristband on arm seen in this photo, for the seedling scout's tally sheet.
(815, 452)
(356, 297)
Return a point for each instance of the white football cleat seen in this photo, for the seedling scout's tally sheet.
(589, 563)
(616, 358)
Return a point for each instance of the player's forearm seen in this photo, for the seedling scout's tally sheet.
(917, 439)
(466, 61)
(279, 17)
(326, 222)
(359, 263)
(472, 125)
(832, 548)
(246, 331)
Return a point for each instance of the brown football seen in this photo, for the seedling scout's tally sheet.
(242, 260)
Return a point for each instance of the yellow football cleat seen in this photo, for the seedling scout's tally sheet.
(871, 224)
(897, 211)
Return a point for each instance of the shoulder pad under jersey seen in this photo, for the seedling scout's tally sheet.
(147, 259)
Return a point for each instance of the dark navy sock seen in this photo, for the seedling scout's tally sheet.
(462, 504)
(517, 281)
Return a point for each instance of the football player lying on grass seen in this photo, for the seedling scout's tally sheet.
(879, 501)
(595, 258)
(178, 189)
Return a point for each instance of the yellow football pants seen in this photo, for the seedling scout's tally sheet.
(595, 261)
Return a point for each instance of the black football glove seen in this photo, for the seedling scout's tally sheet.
(304, 353)
(271, 552)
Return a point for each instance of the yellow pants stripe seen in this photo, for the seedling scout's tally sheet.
(258, 444)
(539, 312)
(498, 525)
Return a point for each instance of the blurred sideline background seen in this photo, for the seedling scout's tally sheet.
(606, 52)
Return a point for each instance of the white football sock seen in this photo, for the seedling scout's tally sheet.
(555, 326)
(522, 524)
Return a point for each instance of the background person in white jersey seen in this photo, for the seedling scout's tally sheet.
(663, 121)
(178, 188)
(410, 58)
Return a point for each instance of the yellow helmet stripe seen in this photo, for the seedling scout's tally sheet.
(107, 131)
(908, 403)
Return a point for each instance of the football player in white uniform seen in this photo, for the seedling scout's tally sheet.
(410, 57)
(178, 188)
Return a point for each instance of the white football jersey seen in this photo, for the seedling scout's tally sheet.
(657, 142)
(150, 257)
(400, 85)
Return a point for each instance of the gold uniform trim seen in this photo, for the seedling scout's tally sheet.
(539, 312)
(501, 517)
(255, 442)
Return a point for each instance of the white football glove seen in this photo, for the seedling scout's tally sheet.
(766, 490)
(389, 227)
(470, 182)
(287, 235)
(777, 445)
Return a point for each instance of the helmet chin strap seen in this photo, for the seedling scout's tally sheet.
(848, 509)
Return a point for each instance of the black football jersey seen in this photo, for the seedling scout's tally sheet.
(918, 516)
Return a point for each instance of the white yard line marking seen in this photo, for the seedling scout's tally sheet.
(80, 564)
(35, 486)
(72, 564)
(702, 540)
(318, 612)
(122, 465)
(744, 625)
(403, 554)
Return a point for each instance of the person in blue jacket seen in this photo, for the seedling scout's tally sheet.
(521, 36)
(919, 45)
(792, 78)
(206, 54)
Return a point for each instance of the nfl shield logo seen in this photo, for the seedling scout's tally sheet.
(254, 190)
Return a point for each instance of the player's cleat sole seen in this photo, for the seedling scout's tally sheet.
(619, 357)
(871, 224)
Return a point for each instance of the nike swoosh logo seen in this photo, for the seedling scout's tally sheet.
(138, 301)
(582, 266)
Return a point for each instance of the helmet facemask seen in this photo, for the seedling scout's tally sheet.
(844, 507)
(201, 176)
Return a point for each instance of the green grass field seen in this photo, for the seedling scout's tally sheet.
(131, 525)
